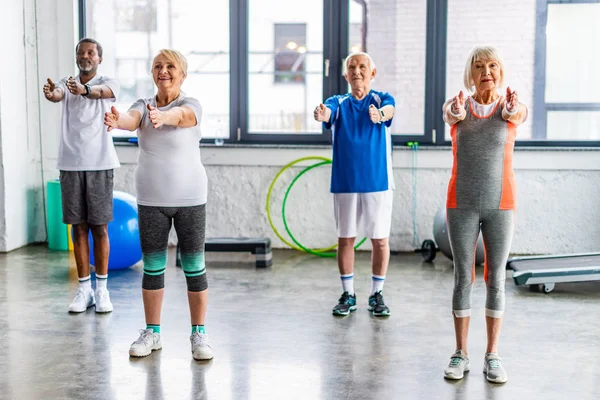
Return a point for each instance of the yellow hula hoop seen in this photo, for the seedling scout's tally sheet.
(268, 202)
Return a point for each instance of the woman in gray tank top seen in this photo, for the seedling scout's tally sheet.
(481, 197)
(171, 188)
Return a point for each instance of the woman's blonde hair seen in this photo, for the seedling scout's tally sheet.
(176, 58)
(482, 53)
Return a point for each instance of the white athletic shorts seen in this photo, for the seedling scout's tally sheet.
(370, 211)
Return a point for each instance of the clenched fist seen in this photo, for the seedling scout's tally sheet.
(321, 113)
(374, 114)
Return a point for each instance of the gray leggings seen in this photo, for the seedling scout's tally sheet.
(155, 225)
(497, 228)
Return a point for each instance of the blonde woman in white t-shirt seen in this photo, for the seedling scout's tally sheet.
(86, 160)
(171, 189)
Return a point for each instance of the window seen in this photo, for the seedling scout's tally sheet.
(290, 53)
(516, 46)
(260, 67)
(571, 106)
(133, 31)
(395, 38)
(282, 67)
(136, 15)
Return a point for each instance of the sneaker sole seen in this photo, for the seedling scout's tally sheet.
(455, 378)
(80, 311)
(353, 308)
(145, 355)
(100, 311)
(383, 314)
(492, 380)
(202, 357)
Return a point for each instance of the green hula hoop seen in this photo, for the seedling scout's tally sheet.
(323, 253)
(268, 205)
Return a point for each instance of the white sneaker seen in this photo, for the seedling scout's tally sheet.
(82, 300)
(103, 304)
(145, 344)
(459, 364)
(200, 348)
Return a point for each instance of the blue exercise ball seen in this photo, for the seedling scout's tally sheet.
(123, 233)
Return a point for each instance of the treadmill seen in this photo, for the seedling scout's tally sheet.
(551, 269)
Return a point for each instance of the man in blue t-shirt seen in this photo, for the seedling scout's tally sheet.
(362, 182)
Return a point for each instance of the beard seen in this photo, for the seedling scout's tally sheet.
(85, 67)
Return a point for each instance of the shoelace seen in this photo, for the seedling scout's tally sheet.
(379, 299)
(198, 339)
(494, 363)
(144, 338)
(345, 298)
(455, 361)
(101, 294)
(79, 295)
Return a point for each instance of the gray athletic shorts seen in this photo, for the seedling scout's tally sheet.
(87, 196)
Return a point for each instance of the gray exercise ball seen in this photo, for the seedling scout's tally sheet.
(440, 234)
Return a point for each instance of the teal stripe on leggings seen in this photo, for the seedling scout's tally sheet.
(155, 263)
(193, 264)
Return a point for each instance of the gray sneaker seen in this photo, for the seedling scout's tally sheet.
(200, 347)
(459, 364)
(493, 369)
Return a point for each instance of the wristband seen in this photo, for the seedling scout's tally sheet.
(511, 113)
(88, 90)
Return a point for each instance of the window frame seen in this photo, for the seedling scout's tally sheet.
(540, 107)
(336, 20)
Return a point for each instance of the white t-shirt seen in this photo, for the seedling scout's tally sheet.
(483, 110)
(169, 171)
(85, 143)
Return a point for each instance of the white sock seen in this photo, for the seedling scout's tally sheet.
(85, 283)
(101, 281)
(377, 284)
(348, 283)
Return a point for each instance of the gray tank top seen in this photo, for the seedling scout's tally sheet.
(482, 172)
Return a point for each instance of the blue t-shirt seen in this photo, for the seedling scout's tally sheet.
(362, 150)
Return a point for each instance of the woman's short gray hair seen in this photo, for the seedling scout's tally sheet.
(482, 53)
(357, 54)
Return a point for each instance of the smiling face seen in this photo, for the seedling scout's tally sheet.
(486, 75)
(359, 72)
(87, 57)
(167, 74)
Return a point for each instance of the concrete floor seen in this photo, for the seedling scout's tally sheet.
(274, 336)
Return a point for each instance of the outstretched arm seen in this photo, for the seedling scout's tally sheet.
(96, 91)
(51, 92)
(182, 117)
(128, 121)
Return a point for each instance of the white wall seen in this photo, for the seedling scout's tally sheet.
(21, 201)
(35, 48)
(557, 196)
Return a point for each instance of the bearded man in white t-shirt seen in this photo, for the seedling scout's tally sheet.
(86, 160)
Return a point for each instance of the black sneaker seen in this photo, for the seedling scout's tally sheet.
(377, 306)
(346, 303)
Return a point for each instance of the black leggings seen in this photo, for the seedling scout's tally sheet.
(155, 225)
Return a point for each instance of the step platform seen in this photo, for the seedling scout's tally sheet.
(260, 247)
